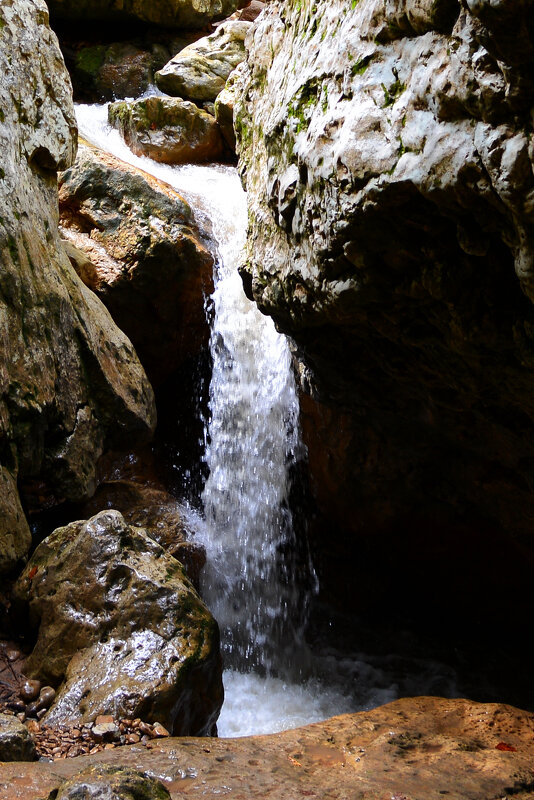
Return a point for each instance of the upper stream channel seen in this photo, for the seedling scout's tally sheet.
(273, 680)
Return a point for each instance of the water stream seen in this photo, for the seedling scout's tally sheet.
(251, 582)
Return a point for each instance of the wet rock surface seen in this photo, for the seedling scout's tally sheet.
(16, 743)
(169, 130)
(120, 630)
(199, 72)
(134, 242)
(64, 390)
(418, 749)
(172, 13)
(388, 161)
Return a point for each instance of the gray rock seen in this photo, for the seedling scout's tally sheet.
(16, 743)
(119, 623)
(200, 70)
(224, 107)
(387, 152)
(104, 782)
(67, 374)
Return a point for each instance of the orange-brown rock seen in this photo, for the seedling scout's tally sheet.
(413, 749)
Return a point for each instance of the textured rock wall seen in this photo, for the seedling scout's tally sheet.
(172, 13)
(387, 151)
(70, 382)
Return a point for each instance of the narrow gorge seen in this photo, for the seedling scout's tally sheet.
(266, 440)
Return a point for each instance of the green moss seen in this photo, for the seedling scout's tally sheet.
(2, 174)
(392, 92)
(90, 59)
(359, 67)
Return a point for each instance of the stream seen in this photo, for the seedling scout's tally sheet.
(253, 584)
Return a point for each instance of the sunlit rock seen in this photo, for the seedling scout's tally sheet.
(120, 630)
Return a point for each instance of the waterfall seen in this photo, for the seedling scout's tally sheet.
(251, 583)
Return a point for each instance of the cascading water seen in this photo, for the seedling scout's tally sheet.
(250, 583)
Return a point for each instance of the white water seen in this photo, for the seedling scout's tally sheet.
(250, 583)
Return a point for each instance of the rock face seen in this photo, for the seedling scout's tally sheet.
(171, 13)
(119, 623)
(71, 384)
(134, 242)
(388, 161)
(200, 70)
(16, 743)
(414, 749)
(169, 130)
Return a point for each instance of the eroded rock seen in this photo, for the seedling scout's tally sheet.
(200, 70)
(388, 161)
(121, 630)
(133, 241)
(71, 383)
(111, 783)
(169, 130)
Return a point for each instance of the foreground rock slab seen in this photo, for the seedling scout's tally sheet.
(413, 749)
(121, 630)
(15, 741)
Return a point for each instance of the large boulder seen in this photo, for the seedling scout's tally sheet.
(120, 630)
(71, 383)
(134, 242)
(200, 70)
(389, 166)
(104, 782)
(167, 13)
(168, 129)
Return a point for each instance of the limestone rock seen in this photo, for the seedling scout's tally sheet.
(169, 130)
(121, 626)
(71, 384)
(120, 70)
(388, 159)
(158, 513)
(224, 107)
(111, 783)
(133, 241)
(200, 71)
(168, 13)
(16, 743)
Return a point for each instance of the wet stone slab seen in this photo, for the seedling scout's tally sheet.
(413, 749)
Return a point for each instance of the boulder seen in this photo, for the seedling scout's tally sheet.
(121, 69)
(111, 783)
(200, 70)
(16, 743)
(158, 513)
(168, 129)
(387, 154)
(167, 13)
(133, 241)
(120, 630)
(71, 383)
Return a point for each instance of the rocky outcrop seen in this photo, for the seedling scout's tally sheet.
(200, 70)
(134, 242)
(121, 69)
(168, 13)
(121, 630)
(415, 748)
(388, 159)
(71, 384)
(169, 130)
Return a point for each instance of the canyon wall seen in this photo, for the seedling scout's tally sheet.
(387, 152)
(71, 383)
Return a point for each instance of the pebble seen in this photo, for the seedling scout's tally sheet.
(47, 696)
(13, 654)
(29, 690)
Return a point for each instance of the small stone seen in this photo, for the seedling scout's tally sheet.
(33, 726)
(13, 654)
(133, 738)
(41, 713)
(47, 695)
(32, 708)
(159, 730)
(21, 716)
(145, 728)
(104, 719)
(106, 730)
(29, 690)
